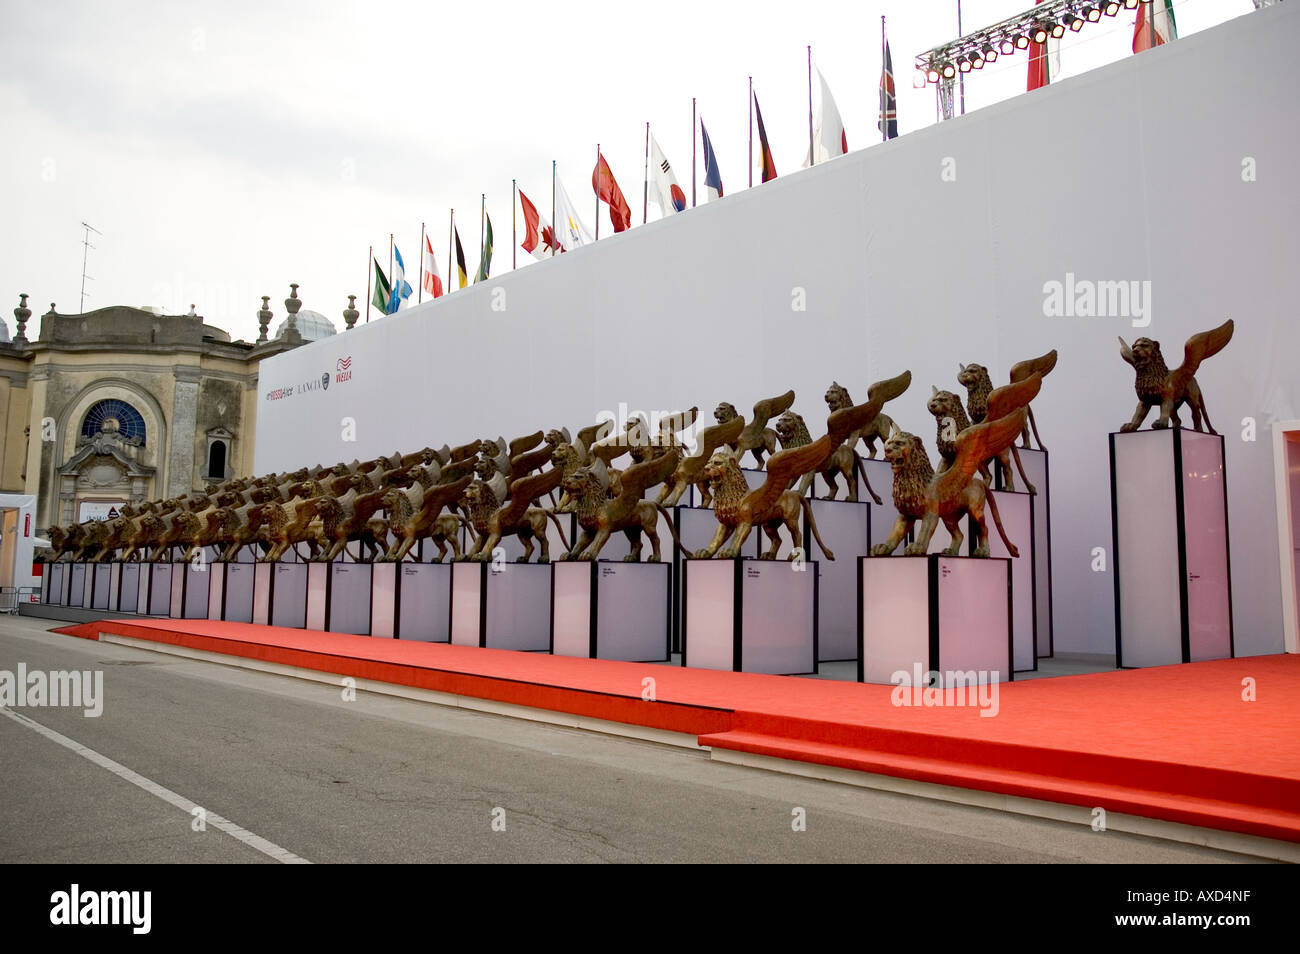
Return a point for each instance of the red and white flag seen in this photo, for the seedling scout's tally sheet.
(1154, 25)
(539, 237)
(432, 280)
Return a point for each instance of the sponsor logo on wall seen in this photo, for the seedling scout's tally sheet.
(342, 372)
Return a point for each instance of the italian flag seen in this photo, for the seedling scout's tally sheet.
(1155, 24)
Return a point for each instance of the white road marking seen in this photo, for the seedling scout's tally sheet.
(256, 842)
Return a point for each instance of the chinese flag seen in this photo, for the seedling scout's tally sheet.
(607, 190)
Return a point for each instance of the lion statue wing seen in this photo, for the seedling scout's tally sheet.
(786, 466)
(526, 443)
(845, 421)
(975, 445)
(675, 423)
(1043, 365)
(765, 410)
(718, 435)
(638, 478)
(1202, 346)
(524, 493)
(1009, 397)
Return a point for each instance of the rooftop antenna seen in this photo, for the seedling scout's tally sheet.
(84, 253)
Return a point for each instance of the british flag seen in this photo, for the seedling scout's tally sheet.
(888, 123)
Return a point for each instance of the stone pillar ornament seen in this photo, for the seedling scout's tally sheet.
(350, 313)
(21, 314)
(291, 305)
(264, 317)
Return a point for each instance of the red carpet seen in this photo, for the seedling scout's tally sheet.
(1176, 742)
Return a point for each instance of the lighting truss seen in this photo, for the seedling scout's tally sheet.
(1019, 32)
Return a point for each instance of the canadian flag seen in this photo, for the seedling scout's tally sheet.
(539, 237)
(432, 280)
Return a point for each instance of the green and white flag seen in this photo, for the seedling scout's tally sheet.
(383, 291)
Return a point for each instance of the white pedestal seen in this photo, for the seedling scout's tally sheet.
(176, 605)
(424, 602)
(941, 614)
(237, 592)
(78, 592)
(1036, 464)
(318, 595)
(115, 586)
(383, 600)
(160, 589)
(505, 608)
(611, 610)
(1169, 514)
(196, 589)
(54, 584)
(348, 599)
(846, 528)
(262, 576)
(289, 595)
(1017, 510)
(750, 616)
(102, 575)
(128, 588)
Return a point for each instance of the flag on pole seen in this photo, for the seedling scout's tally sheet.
(1044, 61)
(829, 140)
(401, 289)
(607, 190)
(665, 192)
(432, 280)
(485, 258)
(460, 260)
(382, 290)
(765, 153)
(712, 177)
(1154, 25)
(539, 240)
(888, 122)
(570, 230)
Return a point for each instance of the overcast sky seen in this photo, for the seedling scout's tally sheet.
(225, 150)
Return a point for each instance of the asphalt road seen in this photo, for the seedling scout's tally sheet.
(387, 780)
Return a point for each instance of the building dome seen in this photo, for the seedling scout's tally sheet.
(312, 325)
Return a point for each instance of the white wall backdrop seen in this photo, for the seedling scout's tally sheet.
(1132, 172)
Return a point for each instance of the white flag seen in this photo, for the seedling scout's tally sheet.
(570, 231)
(829, 140)
(664, 190)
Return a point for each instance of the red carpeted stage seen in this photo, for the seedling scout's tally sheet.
(1177, 743)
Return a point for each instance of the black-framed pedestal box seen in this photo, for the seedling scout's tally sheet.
(287, 599)
(78, 584)
(939, 613)
(423, 602)
(129, 576)
(696, 527)
(1017, 511)
(750, 616)
(1169, 527)
(503, 606)
(1036, 463)
(54, 584)
(846, 528)
(611, 610)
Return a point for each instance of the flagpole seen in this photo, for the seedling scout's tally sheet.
(692, 152)
(812, 157)
(597, 238)
(751, 132)
(419, 296)
(514, 255)
(390, 263)
(645, 195)
(961, 77)
(482, 239)
(370, 257)
(451, 259)
(554, 225)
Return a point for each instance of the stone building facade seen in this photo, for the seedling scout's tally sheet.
(125, 404)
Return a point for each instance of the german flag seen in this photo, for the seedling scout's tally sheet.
(460, 260)
(769, 167)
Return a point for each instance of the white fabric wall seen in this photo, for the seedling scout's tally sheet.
(1132, 172)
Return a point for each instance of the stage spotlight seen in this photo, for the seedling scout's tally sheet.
(1075, 24)
(1130, 4)
(1092, 14)
(1111, 8)
(932, 75)
(963, 64)
(977, 60)
(1058, 29)
(1037, 34)
(1008, 46)
(949, 71)
(990, 55)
